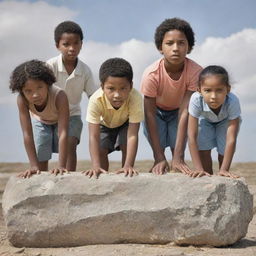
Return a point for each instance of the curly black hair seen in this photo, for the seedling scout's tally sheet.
(116, 67)
(67, 27)
(172, 24)
(214, 70)
(33, 69)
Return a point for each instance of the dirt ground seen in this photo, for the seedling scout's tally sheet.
(245, 247)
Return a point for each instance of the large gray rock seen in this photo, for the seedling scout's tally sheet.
(73, 210)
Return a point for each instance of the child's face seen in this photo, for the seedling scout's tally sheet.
(117, 90)
(174, 47)
(214, 91)
(69, 45)
(36, 92)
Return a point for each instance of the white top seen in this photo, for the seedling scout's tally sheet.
(81, 80)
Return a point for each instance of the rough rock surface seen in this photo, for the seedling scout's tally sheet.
(73, 210)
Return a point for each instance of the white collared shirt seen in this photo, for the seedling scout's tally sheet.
(79, 81)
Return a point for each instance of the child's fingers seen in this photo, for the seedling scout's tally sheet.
(119, 171)
(21, 175)
(55, 172)
(135, 172)
(201, 174)
(96, 174)
(234, 176)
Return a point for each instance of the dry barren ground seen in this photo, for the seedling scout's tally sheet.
(245, 247)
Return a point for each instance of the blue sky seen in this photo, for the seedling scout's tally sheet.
(225, 34)
(115, 21)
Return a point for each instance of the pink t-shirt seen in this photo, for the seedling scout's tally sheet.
(169, 93)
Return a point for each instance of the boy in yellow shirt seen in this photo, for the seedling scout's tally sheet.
(114, 114)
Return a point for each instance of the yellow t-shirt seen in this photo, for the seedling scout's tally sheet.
(100, 111)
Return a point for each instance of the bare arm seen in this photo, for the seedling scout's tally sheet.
(232, 132)
(26, 126)
(178, 157)
(132, 146)
(160, 165)
(94, 147)
(193, 148)
(63, 119)
(94, 144)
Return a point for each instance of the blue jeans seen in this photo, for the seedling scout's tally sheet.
(46, 136)
(45, 139)
(211, 135)
(167, 123)
(75, 127)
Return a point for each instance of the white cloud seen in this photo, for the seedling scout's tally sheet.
(237, 53)
(138, 53)
(27, 32)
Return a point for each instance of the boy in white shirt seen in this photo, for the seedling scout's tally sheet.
(73, 76)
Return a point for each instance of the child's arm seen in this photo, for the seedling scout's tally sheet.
(193, 148)
(178, 156)
(132, 146)
(63, 119)
(160, 165)
(94, 147)
(232, 131)
(27, 131)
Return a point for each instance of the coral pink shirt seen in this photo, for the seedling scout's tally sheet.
(169, 93)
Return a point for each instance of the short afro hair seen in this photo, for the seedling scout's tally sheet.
(174, 24)
(33, 69)
(116, 67)
(67, 27)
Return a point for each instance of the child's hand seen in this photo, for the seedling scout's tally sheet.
(59, 170)
(227, 174)
(128, 171)
(197, 174)
(160, 168)
(180, 165)
(94, 172)
(28, 173)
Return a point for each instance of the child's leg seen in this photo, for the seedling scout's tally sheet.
(72, 158)
(121, 140)
(206, 159)
(171, 118)
(220, 159)
(104, 158)
(43, 166)
(161, 129)
(74, 133)
(206, 142)
(46, 142)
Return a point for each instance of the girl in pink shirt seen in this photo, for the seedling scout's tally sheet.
(167, 86)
